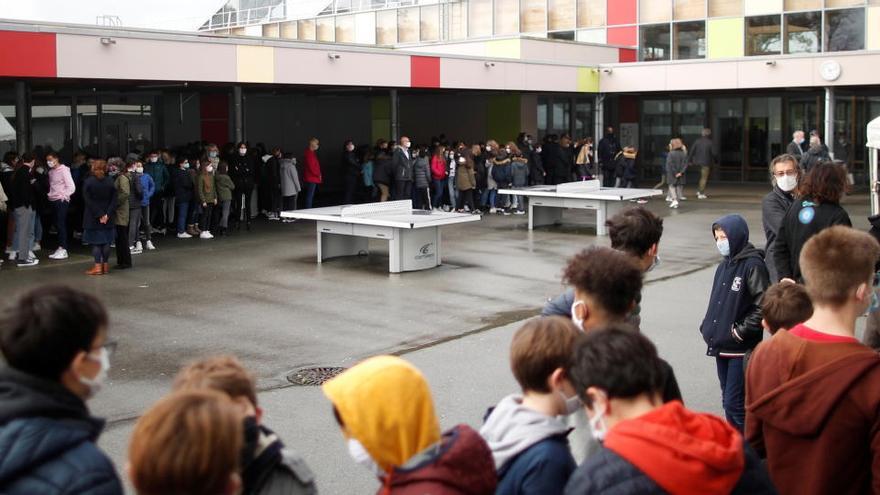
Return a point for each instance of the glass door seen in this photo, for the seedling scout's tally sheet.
(727, 128)
(127, 127)
(764, 138)
(656, 131)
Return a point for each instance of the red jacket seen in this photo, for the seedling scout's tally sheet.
(438, 168)
(312, 171)
(459, 464)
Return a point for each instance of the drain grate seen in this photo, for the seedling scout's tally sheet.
(312, 377)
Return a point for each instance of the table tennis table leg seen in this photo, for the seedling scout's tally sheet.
(336, 245)
(607, 209)
(543, 215)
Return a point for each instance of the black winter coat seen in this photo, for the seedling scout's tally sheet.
(732, 324)
(773, 208)
(99, 199)
(47, 441)
(608, 148)
(383, 171)
(21, 190)
(269, 468)
(796, 229)
(536, 168)
(702, 153)
(242, 170)
(350, 164)
(814, 156)
(403, 165)
(607, 473)
(183, 186)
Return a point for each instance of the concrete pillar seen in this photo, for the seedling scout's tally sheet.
(828, 133)
(395, 122)
(22, 129)
(237, 114)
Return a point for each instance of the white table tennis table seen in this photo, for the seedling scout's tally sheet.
(546, 202)
(413, 235)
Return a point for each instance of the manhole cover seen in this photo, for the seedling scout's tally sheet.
(312, 377)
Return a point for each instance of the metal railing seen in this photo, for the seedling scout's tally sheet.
(248, 17)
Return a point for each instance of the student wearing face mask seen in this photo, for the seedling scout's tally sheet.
(648, 446)
(183, 196)
(157, 170)
(402, 162)
(206, 190)
(61, 188)
(527, 432)
(312, 171)
(784, 176)
(144, 230)
(351, 169)
(242, 166)
(384, 408)
(54, 340)
(267, 467)
(22, 203)
(136, 202)
(99, 203)
(732, 325)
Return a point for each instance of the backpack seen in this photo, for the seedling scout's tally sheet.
(501, 174)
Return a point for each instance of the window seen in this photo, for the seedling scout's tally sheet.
(86, 123)
(591, 13)
(724, 8)
(325, 27)
(763, 36)
(430, 23)
(656, 130)
(306, 30)
(480, 18)
(562, 14)
(364, 28)
(843, 3)
(562, 35)
(408, 25)
(533, 16)
(803, 32)
(386, 27)
(685, 10)
(845, 30)
(50, 126)
(802, 5)
(655, 11)
(456, 20)
(7, 129)
(345, 29)
(506, 16)
(654, 42)
(690, 40)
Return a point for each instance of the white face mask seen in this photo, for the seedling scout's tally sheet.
(209, 168)
(139, 170)
(95, 384)
(488, 148)
(597, 426)
(40, 170)
(572, 404)
(154, 159)
(507, 150)
(461, 159)
(787, 183)
(578, 322)
(51, 164)
(242, 151)
(360, 455)
(350, 147)
(407, 145)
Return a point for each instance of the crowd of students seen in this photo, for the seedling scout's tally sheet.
(598, 410)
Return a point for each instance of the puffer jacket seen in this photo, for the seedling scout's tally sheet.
(48, 441)
(383, 171)
(421, 173)
(676, 162)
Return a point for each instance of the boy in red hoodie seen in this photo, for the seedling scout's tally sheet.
(651, 447)
(813, 401)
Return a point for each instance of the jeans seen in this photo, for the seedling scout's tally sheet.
(182, 213)
(24, 231)
(437, 186)
(675, 192)
(156, 212)
(492, 195)
(311, 187)
(732, 377)
(60, 208)
(453, 192)
(134, 222)
(38, 227)
(466, 198)
(704, 178)
(146, 222)
(224, 215)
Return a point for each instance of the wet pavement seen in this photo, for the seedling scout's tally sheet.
(262, 297)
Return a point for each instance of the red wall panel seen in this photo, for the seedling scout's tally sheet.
(27, 54)
(621, 12)
(627, 36)
(424, 72)
(626, 55)
(628, 108)
(214, 114)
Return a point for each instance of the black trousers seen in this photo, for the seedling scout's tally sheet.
(123, 255)
(466, 198)
(403, 190)
(157, 212)
(205, 223)
(246, 191)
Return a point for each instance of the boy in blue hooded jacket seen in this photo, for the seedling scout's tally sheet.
(732, 325)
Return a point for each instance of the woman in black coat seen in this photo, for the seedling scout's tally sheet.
(99, 229)
(816, 208)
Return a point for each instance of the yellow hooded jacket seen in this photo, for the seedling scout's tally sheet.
(385, 403)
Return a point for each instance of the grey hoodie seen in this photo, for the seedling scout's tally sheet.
(512, 428)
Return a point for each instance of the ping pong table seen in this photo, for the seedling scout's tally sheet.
(413, 235)
(546, 202)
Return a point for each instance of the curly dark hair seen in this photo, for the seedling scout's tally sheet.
(826, 182)
(613, 278)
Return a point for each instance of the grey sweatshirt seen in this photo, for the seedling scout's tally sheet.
(512, 428)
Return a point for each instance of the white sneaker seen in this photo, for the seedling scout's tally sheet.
(150, 246)
(702, 196)
(492, 210)
(674, 204)
(10, 250)
(519, 212)
(668, 199)
(31, 254)
(59, 254)
(139, 246)
(205, 235)
(12, 255)
(183, 235)
(135, 250)
(682, 198)
(37, 246)
(289, 220)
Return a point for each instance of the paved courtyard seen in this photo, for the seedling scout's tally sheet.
(262, 297)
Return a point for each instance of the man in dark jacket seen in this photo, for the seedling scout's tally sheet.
(785, 175)
(651, 447)
(351, 169)
(54, 341)
(732, 325)
(702, 154)
(268, 468)
(797, 146)
(558, 170)
(242, 166)
(813, 400)
(608, 148)
(815, 154)
(22, 204)
(402, 162)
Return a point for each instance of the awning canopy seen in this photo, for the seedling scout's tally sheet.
(874, 134)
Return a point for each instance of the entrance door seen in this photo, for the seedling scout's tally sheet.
(126, 128)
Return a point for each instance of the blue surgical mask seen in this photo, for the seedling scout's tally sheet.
(875, 302)
(723, 247)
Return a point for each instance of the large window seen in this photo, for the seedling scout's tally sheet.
(591, 13)
(479, 18)
(562, 14)
(583, 118)
(345, 32)
(50, 126)
(725, 8)
(554, 116)
(763, 36)
(845, 30)
(430, 23)
(533, 16)
(386, 27)
(7, 129)
(655, 11)
(305, 30)
(690, 39)
(764, 135)
(802, 5)
(87, 124)
(656, 130)
(685, 10)
(727, 133)
(506, 17)
(408, 25)
(456, 20)
(803, 32)
(326, 28)
(654, 42)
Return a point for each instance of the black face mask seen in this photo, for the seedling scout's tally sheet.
(251, 440)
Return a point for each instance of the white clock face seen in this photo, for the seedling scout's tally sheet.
(830, 70)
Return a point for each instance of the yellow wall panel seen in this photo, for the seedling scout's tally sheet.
(725, 38)
(588, 80)
(503, 48)
(762, 7)
(256, 64)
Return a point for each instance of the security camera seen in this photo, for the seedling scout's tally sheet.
(334, 56)
(489, 64)
(108, 41)
(770, 63)
(607, 70)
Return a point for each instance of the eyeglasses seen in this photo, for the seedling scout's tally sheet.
(788, 173)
